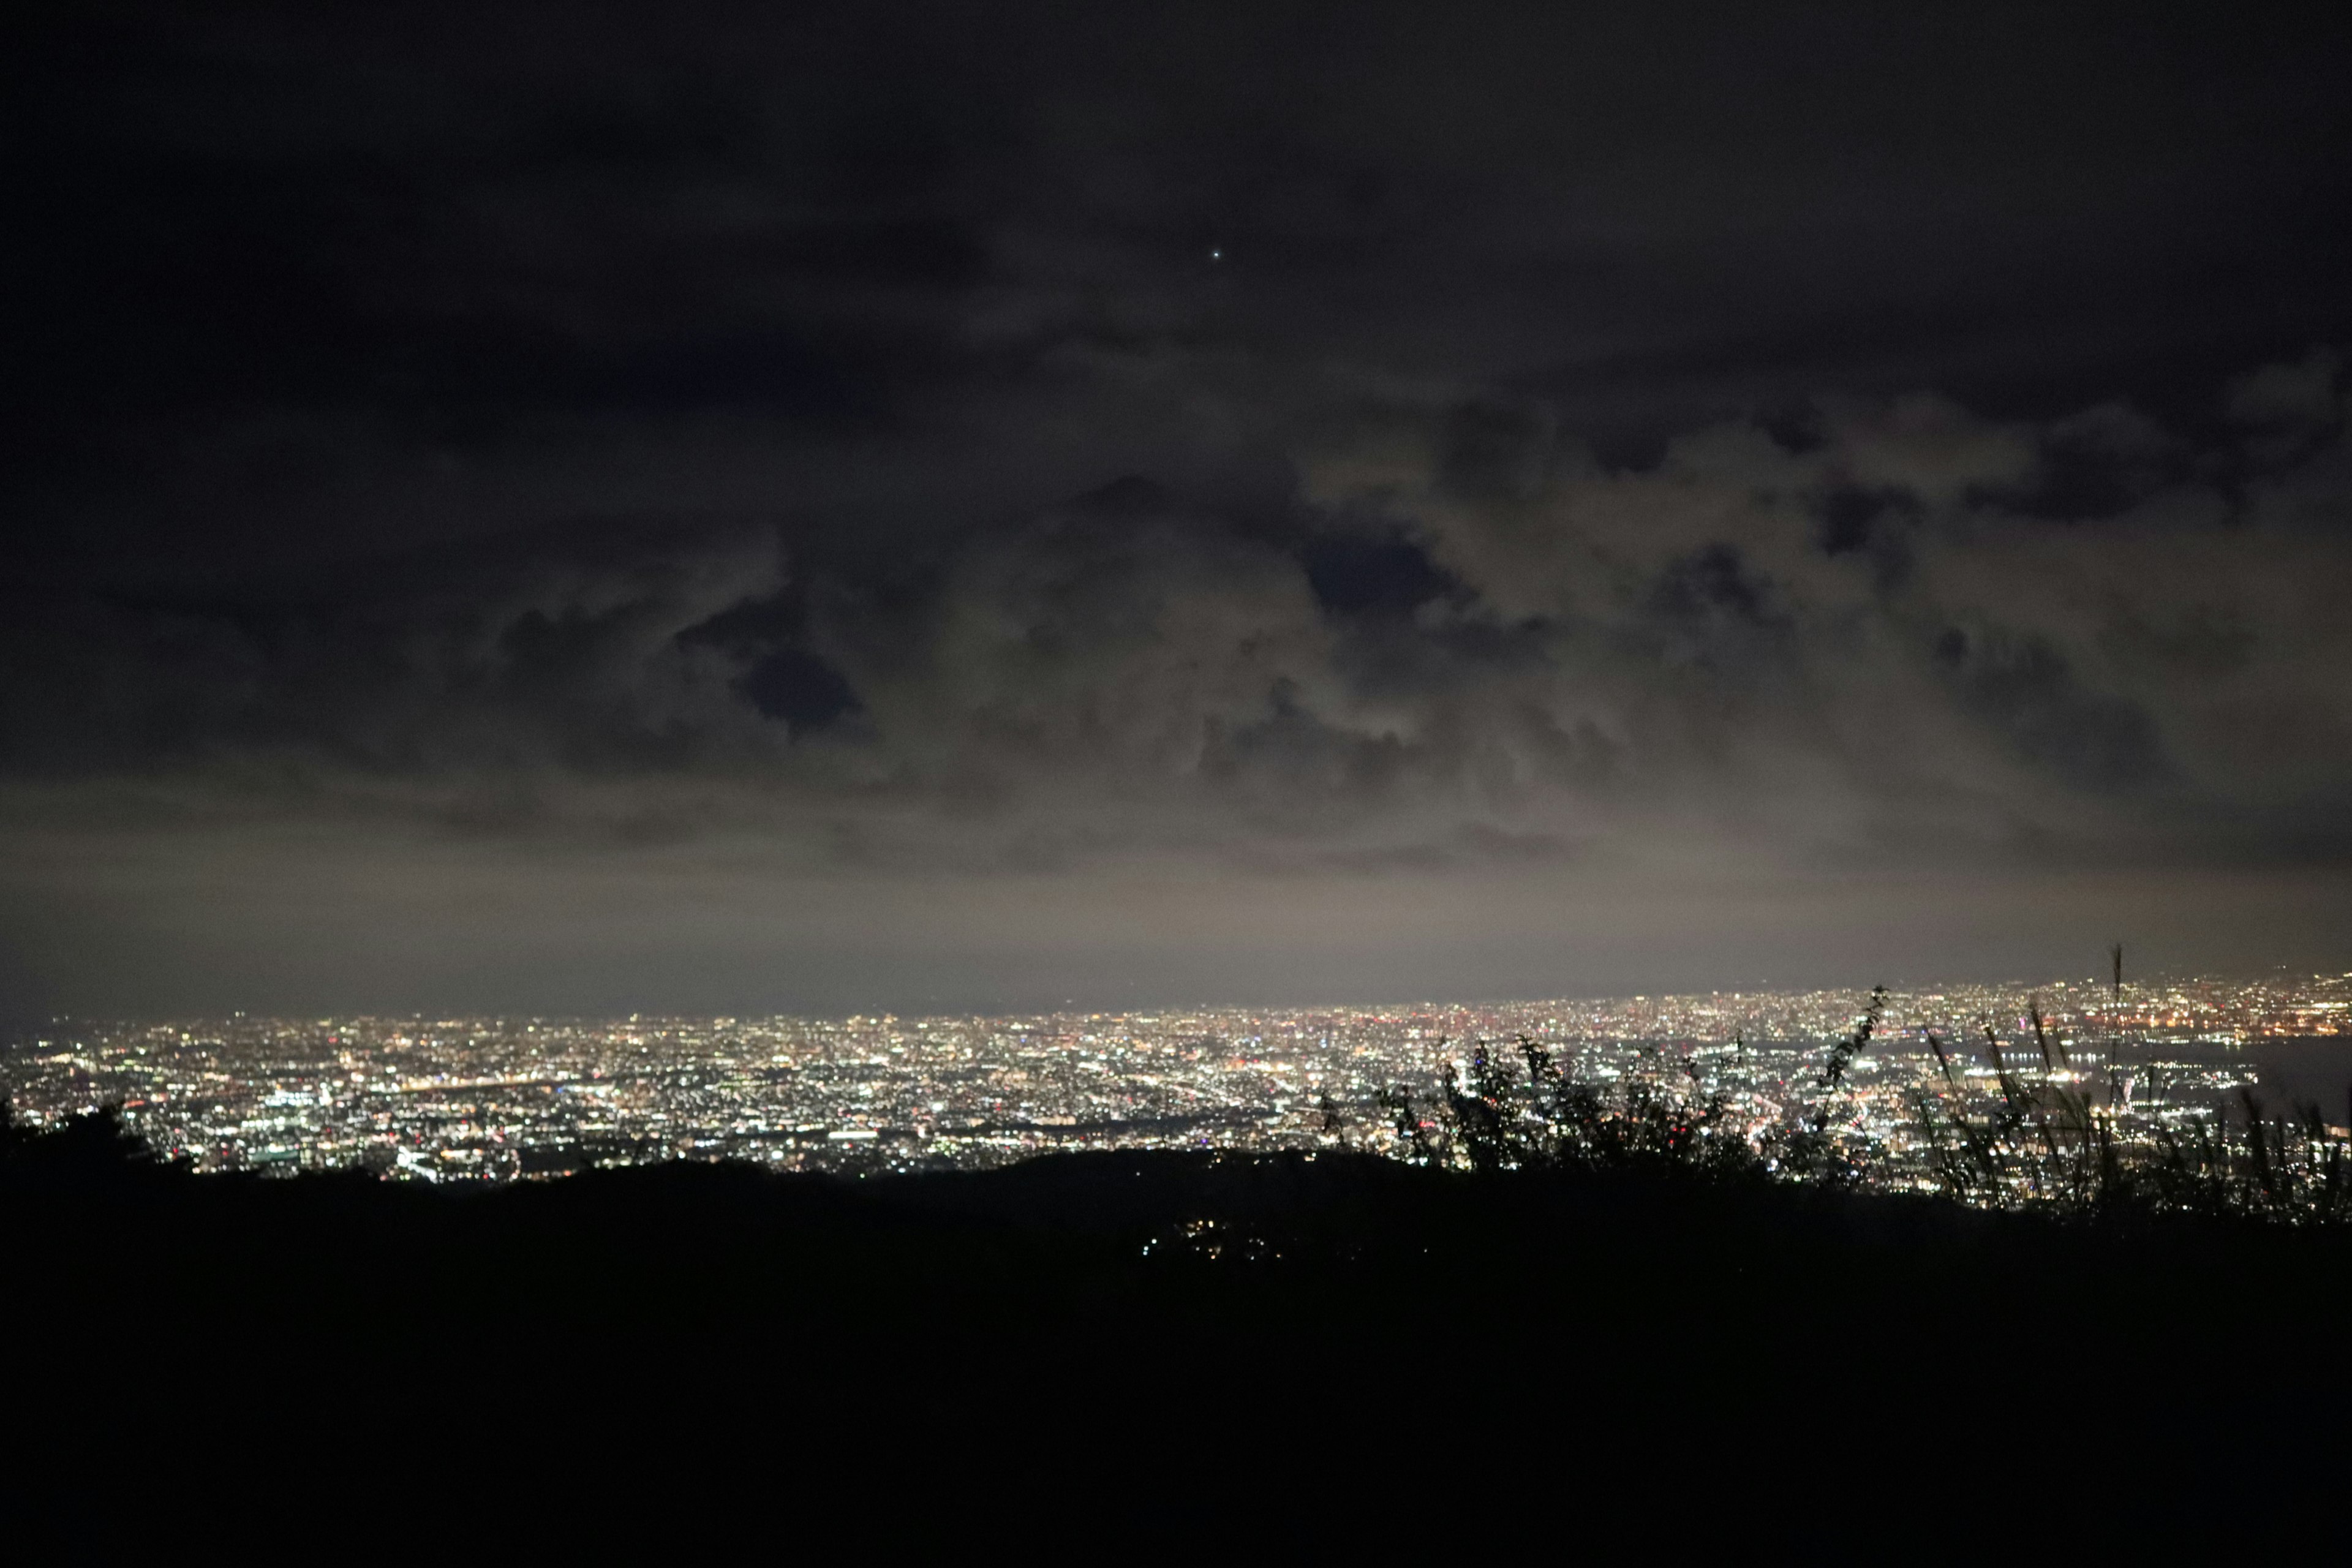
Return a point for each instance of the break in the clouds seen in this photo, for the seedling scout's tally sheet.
(970, 503)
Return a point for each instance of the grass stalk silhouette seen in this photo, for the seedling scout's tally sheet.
(2043, 1146)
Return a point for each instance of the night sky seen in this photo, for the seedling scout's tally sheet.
(717, 508)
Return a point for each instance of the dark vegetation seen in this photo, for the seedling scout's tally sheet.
(2048, 1146)
(1637, 1227)
(1621, 1283)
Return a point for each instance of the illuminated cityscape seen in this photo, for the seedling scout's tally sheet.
(475, 1099)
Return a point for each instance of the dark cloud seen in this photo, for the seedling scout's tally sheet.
(2028, 694)
(1342, 479)
(1356, 573)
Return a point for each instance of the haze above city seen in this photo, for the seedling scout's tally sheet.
(941, 508)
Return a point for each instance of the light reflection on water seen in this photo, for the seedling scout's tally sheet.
(2287, 1072)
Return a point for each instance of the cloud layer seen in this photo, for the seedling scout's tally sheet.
(1624, 464)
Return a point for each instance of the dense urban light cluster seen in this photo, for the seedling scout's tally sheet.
(442, 1100)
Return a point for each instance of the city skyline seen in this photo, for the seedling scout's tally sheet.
(466, 1099)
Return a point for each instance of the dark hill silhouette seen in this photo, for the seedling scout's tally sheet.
(1159, 1303)
(1374, 1245)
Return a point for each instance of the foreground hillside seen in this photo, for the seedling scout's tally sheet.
(1092, 1320)
(1104, 1248)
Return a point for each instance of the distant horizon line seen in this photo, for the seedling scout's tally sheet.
(1071, 1009)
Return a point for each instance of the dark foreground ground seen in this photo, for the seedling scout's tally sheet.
(1120, 1314)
